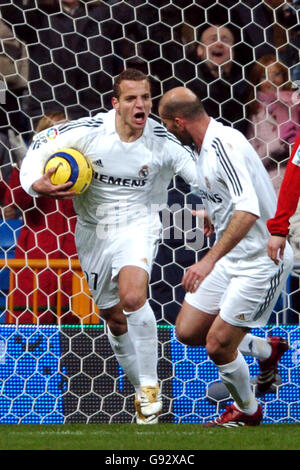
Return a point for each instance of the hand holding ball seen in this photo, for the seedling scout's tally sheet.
(71, 165)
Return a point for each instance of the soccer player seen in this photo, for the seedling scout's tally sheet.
(288, 199)
(234, 287)
(118, 227)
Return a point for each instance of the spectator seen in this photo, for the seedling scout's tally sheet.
(270, 26)
(5, 172)
(220, 84)
(13, 77)
(66, 49)
(47, 233)
(288, 17)
(273, 115)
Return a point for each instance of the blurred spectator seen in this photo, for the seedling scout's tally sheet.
(288, 17)
(273, 114)
(13, 76)
(68, 54)
(12, 151)
(274, 117)
(47, 233)
(5, 172)
(270, 27)
(220, 83)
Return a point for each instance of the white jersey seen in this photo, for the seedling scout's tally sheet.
(231, 177)
(126, 175)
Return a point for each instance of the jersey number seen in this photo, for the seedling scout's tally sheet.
(92, 279)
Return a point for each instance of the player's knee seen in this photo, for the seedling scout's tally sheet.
(132, 301)
(187, 336)
(116, 322)
(215, 349)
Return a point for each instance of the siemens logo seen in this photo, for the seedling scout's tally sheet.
(127, 182)
(209, 196)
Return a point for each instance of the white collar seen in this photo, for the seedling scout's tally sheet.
(210, 133)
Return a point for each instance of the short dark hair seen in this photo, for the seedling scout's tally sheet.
(128, 74)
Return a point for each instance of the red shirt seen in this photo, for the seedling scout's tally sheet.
(289, 194)
(48, 232)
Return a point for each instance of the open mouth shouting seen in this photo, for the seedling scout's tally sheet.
(219, 55)
(139, 118)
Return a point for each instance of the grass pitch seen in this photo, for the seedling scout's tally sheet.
(155, 437)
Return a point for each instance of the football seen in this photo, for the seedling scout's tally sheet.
(71, 165)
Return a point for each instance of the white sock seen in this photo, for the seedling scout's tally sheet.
(255, 346)
(143, 333)
(125, 354)
(236, 377)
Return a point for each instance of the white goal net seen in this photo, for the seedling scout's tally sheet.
(58, 61)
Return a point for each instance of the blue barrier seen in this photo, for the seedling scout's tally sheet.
(9, 233)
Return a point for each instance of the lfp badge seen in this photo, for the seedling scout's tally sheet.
(52, 133)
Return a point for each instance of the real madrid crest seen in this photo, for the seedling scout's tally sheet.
(144, 171)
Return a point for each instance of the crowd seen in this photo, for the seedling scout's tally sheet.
(58, 61)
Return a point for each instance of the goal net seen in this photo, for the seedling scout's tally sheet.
(58, 60)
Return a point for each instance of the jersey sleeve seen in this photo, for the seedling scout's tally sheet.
(289, 195)
(43, 145)
(233, 171)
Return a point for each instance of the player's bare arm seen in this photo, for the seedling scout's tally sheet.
(276, 246)
(240, 224)
(44, 187)
(208, 228)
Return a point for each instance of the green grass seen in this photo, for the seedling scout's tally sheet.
(155, 437)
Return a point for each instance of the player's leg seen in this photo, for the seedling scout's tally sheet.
(133, 282)
(255, 346)
(121, 343)
(252, 293)
(96, 256)
(268, 351)
(222, 344)
(142, 329)
(192, 325)
(195, 327)
(222, 347)
(200, 308)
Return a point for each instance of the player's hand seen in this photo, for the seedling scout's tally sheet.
(44, 187)
(208, 228)
(276, 246)
(197, 273)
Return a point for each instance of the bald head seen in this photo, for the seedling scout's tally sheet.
(180, 102)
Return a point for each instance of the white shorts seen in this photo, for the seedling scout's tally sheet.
(102, 258)
(243, 292)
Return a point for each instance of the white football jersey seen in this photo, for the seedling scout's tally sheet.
(127, 176)
(231, 177)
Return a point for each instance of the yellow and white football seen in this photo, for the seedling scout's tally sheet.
(71, 165)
